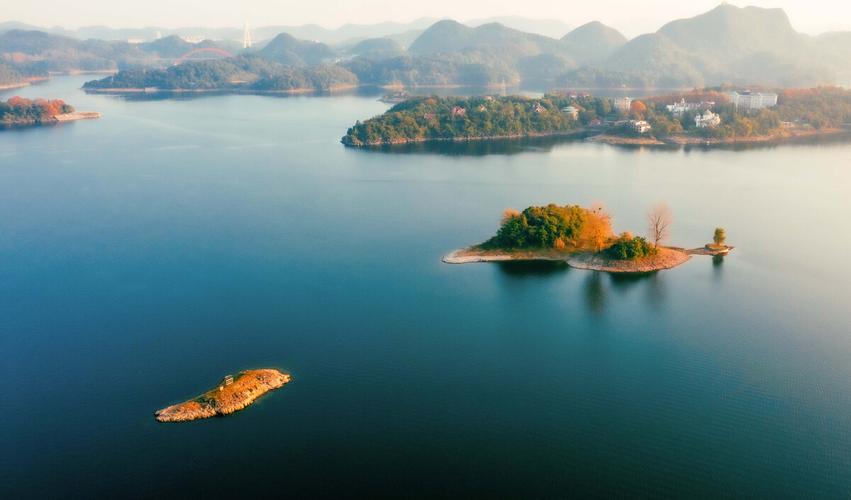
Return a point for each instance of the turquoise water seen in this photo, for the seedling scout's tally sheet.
(145, 255)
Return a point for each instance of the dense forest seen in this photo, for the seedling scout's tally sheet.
(438, 118)
(21, 111)
(247, 72)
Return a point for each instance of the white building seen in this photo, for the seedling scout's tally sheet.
(679, 108)
(623, 104)
(749, 101)
(572, 112)
(640, 126)
(707, 120)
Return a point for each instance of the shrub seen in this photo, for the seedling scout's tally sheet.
(552, 226)
(628, 247)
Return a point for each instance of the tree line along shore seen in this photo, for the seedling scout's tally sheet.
(583, 237)
(705, 117)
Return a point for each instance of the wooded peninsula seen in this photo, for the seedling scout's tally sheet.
(700, 117)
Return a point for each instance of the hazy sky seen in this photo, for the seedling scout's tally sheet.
(632, 17)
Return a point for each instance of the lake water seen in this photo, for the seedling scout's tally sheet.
(145, 255)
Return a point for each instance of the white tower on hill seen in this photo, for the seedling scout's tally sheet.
(246, 38)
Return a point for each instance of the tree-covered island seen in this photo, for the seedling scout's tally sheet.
(700, 117)
(582, 237)
(19, 111)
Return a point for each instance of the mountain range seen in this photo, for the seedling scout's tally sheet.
(346, 34)
(727, 45)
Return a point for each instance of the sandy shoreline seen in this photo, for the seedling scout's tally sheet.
(13, 86)
(77, 115)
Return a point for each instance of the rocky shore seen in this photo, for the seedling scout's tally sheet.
(667, 258)
(232, 395)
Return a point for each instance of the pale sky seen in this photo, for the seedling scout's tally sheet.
(631, 17)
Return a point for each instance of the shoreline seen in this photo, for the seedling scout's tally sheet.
(401, 142)
(668, 258)
(13, 86)
(53, 120)
(236, 91)
(616, 140)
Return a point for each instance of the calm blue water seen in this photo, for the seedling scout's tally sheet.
(145, 255)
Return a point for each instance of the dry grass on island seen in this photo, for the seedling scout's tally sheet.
(584, 239)
(232, 395)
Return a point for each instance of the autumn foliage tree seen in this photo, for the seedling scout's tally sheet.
(597, 230)
(637, 109)
(22, 110)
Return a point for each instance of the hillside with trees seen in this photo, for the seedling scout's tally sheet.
(425, 119)
(9, 75)
(243, 73)
(438, 118)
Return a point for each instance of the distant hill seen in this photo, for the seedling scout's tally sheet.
(286, 49)
(657, 56)
(503, 53)
(377, 48)
(728, 32)
(594, 42)
(547, 27)
(725, 45)
(493, 38)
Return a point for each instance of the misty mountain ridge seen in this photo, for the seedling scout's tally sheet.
(725, 45)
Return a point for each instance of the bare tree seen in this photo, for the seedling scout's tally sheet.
(659, 222)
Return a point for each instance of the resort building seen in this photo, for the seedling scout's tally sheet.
(640, 126)
(707, 120)
(679, 108)
(572, 112)
(749, 101)
(623, 104)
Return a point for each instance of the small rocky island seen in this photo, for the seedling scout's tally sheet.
(583, 238)
(232, 395)
(22, 112)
